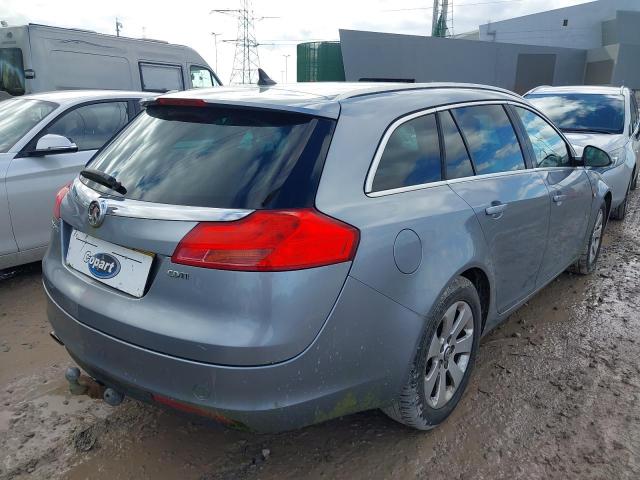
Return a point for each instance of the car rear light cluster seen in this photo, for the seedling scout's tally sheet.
(59, 197)
(269, 240)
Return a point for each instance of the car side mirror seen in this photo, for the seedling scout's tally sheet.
(51, 144)
(595, 157)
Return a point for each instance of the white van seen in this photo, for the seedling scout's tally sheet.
(38, 58)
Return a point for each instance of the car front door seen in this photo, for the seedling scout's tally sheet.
(569, 189)
(510, 201)
(7, 240)
(32, 180)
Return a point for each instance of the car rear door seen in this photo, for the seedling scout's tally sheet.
(32, 181)
(511, 202)
(569, 189)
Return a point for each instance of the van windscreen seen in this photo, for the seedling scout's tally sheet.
(219, 157)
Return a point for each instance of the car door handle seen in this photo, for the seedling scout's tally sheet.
(496, 209)
(559, 198)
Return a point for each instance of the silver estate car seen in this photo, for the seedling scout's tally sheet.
(45, 140)
(273, 257)
(606, 117)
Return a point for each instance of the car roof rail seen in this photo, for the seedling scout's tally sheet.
(535, 88)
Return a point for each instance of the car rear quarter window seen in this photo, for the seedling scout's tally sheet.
(219, 157)
(411, 156)
(457, 161)
(492, 142)
(549, 148)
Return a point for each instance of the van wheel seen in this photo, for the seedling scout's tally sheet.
(586, 264)
(444, 360)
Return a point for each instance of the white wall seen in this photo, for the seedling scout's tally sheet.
(584, 29)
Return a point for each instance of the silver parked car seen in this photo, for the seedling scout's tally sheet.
(606, 117)
(277, 256)
(45, 140)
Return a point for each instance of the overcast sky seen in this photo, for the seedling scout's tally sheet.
(189, 22)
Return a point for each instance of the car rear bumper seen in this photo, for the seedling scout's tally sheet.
(358, 362)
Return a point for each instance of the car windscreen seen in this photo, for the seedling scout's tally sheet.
(11, 71)
(18, 116)
(219, 157)
(579, 112)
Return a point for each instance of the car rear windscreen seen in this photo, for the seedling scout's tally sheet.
(219, 157)
(582, 112)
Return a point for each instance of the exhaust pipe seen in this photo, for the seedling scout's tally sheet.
(53, 335)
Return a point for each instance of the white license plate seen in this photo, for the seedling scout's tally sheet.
(116, 266)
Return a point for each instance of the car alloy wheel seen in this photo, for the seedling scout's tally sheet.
(449, 354)
(596, 237)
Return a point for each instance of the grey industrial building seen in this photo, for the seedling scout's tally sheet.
(591, 43)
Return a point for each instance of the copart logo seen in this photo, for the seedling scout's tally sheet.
(102, 265)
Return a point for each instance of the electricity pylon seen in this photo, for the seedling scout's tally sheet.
(442, 21)
(245, 59)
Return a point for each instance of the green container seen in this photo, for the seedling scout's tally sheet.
(320, 62)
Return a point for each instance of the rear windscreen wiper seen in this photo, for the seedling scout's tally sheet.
(103, 179)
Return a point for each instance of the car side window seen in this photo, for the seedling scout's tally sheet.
(411, 156)
(549, 149)
(91, 126)
(202, 77)
(492, 142)
(457, 161)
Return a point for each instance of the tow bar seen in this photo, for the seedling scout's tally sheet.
(81, 385)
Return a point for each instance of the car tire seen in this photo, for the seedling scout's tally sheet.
(634, 180)
(586, 264)
(431, 393)
(620, 212)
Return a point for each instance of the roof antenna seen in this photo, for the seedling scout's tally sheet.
(263, 79)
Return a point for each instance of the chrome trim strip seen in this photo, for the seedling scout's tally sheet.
(156, 211)
(453, 181)
(410, 188)
(378, 155)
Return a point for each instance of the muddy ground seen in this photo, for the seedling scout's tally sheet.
(555, 394)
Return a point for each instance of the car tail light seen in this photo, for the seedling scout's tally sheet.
(269, 240)
(59, 197)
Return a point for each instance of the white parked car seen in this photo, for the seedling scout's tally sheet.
(45, 140)
(606, 117)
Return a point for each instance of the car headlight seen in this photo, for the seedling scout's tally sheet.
(618, 156)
